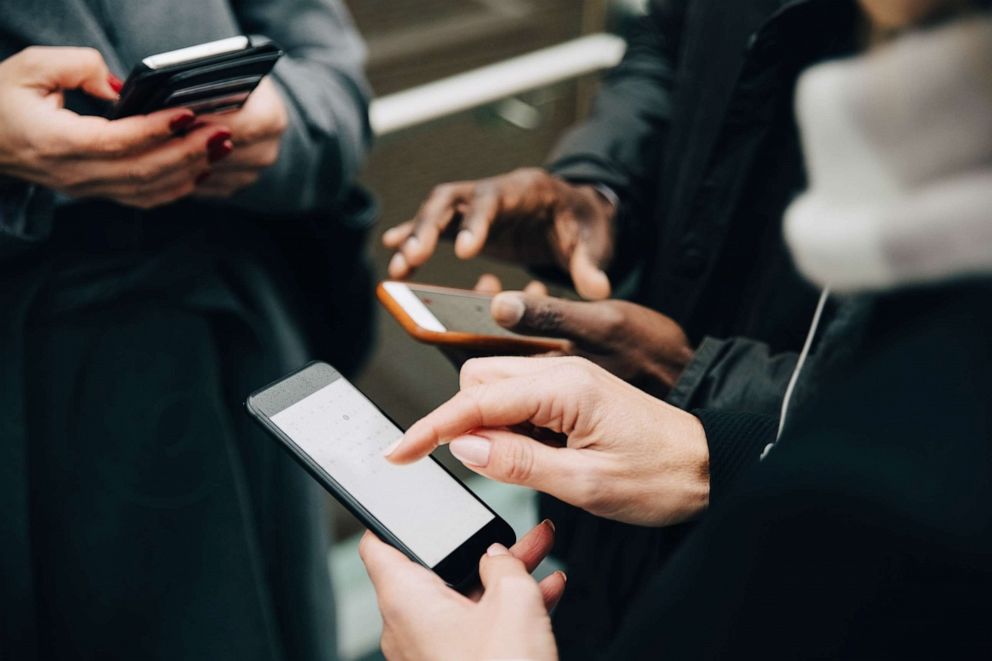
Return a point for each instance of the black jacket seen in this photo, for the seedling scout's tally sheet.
(867, 532)
(694, 131)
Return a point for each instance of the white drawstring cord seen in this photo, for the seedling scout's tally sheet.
(824, 295)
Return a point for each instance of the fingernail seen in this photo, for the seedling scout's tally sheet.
(219, 146)
(471, 450)
(564, 576)
(182, 123)
(497, 549)
(201, 178)
(463, 239)
(549, 523)
(412, 243)
(397, 265)
(508, 309)
(388, 451)
(115, 83)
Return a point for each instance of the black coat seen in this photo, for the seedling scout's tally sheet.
(694, 131)
(867, 532)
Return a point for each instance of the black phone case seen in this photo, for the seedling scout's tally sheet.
(233, 76)
(340, 494)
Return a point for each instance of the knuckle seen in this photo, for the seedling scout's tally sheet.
(589, 487)
(141, 174)
(193, 157)
(576, 370)
(546, 316)
(31, 56)
(614, 320)
(442, 190)
(89, 56)
(469, 374)
(73, 179)
(113, 147)
(517, 461)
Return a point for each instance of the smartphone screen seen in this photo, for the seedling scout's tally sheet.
(466, 313)
(345, 434)
(445, 310)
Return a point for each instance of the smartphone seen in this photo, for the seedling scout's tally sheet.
(209, 78)
(339, 436)
(456, 317)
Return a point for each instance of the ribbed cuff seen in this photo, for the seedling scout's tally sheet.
(736, 440)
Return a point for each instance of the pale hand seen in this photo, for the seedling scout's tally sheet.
(141, 161)
(627, 456)
(506, 619)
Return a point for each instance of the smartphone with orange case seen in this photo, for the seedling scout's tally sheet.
(457, 318)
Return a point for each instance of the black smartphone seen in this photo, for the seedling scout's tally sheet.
(339, 436)
(208, 78)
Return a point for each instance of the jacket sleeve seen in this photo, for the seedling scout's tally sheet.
(734, 374)
(736, 441)
(326, 96)
(620, 143)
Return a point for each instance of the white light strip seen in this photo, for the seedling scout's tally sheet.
(413, 306)
(479, 87)
(163, 60)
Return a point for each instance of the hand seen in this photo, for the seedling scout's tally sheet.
(425, 619)
(643, 347)
(138, 161)
(527, 216)
(637, 344)
(628, 456)
(256, 133)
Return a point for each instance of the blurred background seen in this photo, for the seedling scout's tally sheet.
(465, 89)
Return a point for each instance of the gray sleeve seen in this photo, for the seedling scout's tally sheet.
(322, 81)
(25, 215)
(734, 374)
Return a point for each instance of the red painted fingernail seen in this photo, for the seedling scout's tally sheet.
(201, 178)
(219, 146)
(182, 124)
(116, 83)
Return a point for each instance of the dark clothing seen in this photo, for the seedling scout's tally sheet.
(694, 131)
(144, 516)
(867, 532)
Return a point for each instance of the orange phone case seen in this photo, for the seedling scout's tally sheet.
(517, 345)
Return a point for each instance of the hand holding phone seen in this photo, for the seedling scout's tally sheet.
(340, 437)
(457, 318)
(256, 135)
(136, 161)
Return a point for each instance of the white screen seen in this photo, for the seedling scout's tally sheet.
(421, 504)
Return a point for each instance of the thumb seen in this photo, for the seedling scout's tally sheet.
(505, 579)
(590, 281)
(56, 68)
(530, 314)
(516, 459)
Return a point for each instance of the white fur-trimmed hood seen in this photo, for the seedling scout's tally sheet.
(898, 145)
